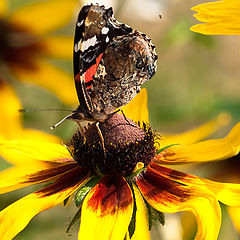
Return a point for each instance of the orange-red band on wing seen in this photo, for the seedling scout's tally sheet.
(92, 70)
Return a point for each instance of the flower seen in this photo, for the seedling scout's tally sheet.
(117, 195)
(219, 18)
(28, 41)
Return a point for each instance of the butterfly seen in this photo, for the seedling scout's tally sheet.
(111, 61)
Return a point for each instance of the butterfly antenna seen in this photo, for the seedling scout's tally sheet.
(57, 124)
(44, 109)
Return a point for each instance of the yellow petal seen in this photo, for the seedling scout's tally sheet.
(15, 217)
(234, 212)
(209, 150)
(197, 134)
(40, 171)
(137, 109)
(52, 78)
(227, 193)
(23, 152)
(142, 226)
(10, 123)
(3, 7)
(44, 16)
(169, 191)
(107, 210)
(220, 18)
(59, 46)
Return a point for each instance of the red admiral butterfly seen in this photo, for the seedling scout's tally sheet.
(111, 61)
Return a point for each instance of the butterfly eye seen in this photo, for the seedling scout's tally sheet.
(140, 63)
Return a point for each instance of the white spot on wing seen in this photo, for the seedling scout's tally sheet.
(80, 23)
(105, 30)
(107, 39)
(77, 46)
(93, 41)
(90, 42)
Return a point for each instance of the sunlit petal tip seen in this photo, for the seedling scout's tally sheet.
(198, 133)
(108, 207)
(219, 18)
(198, 28)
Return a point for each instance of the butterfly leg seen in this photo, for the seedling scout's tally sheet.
(120, 110)
(102, 139)
(82, 132)
(126, 118)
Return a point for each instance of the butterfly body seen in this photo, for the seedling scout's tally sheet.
(111, 62)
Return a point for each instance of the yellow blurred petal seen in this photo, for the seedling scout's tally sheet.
(59, 46)
(15, 217)
(3, 7)
(142, 227)
(10, 124)
(220, 18)
(107, 210)
(209, 150)
(169, 191)
(22, 152)
(44, 16)
(10, 119)
(234, 212)
(35, 135)
(198, 133)
(52, 78)
(137, 109)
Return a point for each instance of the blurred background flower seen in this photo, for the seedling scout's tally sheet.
(29, 39)
(197, 78)
(11, 126)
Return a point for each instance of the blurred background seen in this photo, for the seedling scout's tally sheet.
(197, 78)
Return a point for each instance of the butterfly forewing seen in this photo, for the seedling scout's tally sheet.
(95, 28)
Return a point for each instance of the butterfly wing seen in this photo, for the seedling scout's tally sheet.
(95, 28)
